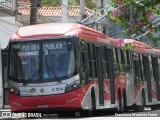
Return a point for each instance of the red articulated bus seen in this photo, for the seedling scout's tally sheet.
(73, 67)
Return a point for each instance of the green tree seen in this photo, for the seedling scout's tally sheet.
(144, 10)
(53, 3)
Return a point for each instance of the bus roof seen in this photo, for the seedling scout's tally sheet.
(75, 29)
(51, 29)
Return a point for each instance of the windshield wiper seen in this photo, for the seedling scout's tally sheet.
(25, 82)
(52, 70)
(37, 74)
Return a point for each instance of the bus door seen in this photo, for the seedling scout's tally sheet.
(4, 78)
(156, 75)
(99, 74)
(147, 77)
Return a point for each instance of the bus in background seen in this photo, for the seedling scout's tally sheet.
(68, 66)
(4, 101)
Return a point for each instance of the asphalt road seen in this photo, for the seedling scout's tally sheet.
(112, 115)
(150, 114)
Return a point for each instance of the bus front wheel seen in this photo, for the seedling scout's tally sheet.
(91, 111)
(120, 103)
(140, 108)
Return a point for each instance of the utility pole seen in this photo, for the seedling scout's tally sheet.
(82, 9)
(106, 20)
(14, 6)
(33, 12)
(131, 14)
(64, 10)
(100, 26)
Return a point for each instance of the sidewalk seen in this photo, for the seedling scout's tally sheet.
(1, 110)
(4, 111)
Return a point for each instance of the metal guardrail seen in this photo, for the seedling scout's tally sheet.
(8, 6)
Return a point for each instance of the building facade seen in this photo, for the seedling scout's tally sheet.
(8, 26)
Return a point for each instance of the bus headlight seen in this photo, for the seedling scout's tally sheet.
(72, 86)
(14, 90)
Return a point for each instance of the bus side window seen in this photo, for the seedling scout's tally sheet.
(128, 57)
(121, 59)
(116, 65)
(104, 62)
(145, 60)
(136, 65)
(159, 66)
(89, 60)
(126, 65)
(107, 62)
(94, 62)
(84, 67)
(141, 67)
(122, 56)
(84, 53)
(136, 72)
(150, 67)
(118, 59)
(154, 66)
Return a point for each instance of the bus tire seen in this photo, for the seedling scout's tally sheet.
(90, 112)
(140, 108)
(66, 114)
(93, 104)
(125, 102)
(120, 104)
(154, 107)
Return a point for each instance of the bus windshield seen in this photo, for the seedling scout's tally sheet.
(44, 61)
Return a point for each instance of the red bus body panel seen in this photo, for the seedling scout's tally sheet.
(67, 100)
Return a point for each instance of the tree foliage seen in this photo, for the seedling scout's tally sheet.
(144, 12)
(54, 3)
(51, 3)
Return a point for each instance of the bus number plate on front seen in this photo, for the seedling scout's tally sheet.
(42, 106)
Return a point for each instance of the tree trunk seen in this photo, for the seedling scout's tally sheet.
(33, 12)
